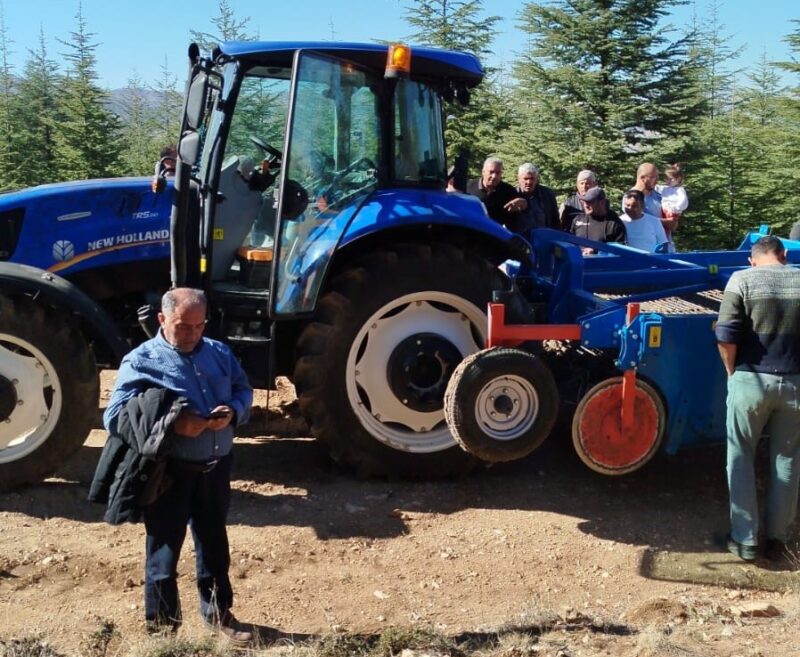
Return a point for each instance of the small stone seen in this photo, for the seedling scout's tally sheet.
(380, 595)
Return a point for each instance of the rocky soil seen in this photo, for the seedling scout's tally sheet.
(541, 555)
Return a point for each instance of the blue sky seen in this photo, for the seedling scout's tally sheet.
(139, 37)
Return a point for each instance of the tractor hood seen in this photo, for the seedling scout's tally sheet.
(72, 226)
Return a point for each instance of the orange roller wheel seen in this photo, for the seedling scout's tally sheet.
(600, 438)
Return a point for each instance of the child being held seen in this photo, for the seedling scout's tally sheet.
(674, 200)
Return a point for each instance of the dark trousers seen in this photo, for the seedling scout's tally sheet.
(200, 500)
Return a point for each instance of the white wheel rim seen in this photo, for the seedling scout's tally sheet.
(34, 417)
(506, 407)
(385, 416)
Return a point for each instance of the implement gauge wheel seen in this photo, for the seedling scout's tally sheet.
(597, 431)
(501, 404)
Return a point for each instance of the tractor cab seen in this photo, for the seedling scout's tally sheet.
(281, 146)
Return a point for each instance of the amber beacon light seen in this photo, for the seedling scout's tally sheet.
(398, 61)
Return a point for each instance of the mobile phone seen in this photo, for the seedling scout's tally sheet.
(216, 415)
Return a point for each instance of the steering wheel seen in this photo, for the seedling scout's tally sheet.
(275, 156)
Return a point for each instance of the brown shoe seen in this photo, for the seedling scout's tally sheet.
(231, 629)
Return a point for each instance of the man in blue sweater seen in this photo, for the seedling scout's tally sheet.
(758, 335)
(206, 373)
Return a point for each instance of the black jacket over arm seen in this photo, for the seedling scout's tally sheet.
(133, 457)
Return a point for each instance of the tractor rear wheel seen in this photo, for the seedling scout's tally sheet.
(49, 391)
(374, 364)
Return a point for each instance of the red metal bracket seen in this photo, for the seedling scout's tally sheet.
(511, 335)
(629, 380)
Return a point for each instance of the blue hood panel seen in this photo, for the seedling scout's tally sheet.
(69, 227)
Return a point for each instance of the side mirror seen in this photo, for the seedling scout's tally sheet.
(196, 100)
(189, 147)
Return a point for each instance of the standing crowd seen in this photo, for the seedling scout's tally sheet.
(757, 333)
(651, 212)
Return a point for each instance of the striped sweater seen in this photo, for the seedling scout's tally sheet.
(760, 313)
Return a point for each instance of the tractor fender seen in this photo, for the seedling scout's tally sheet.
(23, 279)
(406, 208)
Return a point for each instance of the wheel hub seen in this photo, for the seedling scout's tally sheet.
(506, 407)
(503, 404)
(419, 368)
(8, 398)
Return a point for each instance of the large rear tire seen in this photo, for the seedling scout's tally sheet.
(374, 365)
(49, 391)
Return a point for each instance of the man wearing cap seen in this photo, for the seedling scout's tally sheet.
(502, 202)
(642, 231)
(586, 180)
(542, 210)
(597, 222)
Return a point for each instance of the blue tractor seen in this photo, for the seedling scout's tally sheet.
(308, 202)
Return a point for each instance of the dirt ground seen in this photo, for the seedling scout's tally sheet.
(579, 563)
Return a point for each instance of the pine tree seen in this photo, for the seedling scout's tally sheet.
(88, 139)
(36, 104)
(9, 154)
(229, 28)
(168, 108)
(711, 154)
(762, 137)
(139, 130)
(788, 155)
(461, 25)
(600, 86)
(453, 24)
(793, 40)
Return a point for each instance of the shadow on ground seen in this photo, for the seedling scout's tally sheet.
(672, 506)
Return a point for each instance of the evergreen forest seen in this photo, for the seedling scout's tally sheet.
(601, 85)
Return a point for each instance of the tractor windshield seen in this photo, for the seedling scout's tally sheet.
(333, 154)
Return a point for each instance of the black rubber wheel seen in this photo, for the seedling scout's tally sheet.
(374, 364)
(501, 404)
(49, 391)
